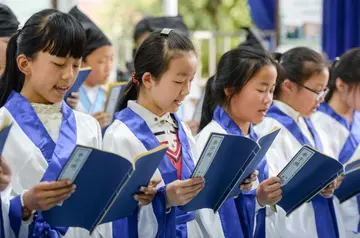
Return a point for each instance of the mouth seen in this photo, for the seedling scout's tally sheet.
(178, 102)
(61, 89)
(264, 111)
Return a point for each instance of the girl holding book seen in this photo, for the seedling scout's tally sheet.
(301, 87)
(341, 113)
(237, 97)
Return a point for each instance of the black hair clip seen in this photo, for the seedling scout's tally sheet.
(165, 31)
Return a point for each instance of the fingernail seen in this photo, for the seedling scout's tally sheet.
(74, 187)
(68, 182)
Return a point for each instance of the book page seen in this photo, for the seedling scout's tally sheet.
(208, 155)
(113, 98)
(300, 159)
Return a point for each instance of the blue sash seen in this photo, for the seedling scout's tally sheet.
(245, 203)
(353, 140)
(325, 217)
(168, 171)
(97, 106)
(55, 154)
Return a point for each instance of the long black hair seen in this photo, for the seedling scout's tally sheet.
(154, 56)
(50, 31)
(235, 69)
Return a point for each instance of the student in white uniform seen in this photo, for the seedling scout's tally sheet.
(165, 65)
(338, 125)
(300, 89)
(99, 55)
(43, 61)
(236, 98)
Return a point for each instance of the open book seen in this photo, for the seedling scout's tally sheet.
(305, 176)
(113, 97)
(83, 74)
(105, 185)
(351, 183)
(226, 161)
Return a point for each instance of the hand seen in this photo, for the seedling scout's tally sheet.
(73, 100)
(247, 185)
(147, 193)
(339, 181)
(5, 174)
(329, 190)
(180, 192)
(269, 191)
(45, 195)
(194, 126)
(103, 118)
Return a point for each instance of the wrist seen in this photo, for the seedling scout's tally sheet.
(27, 209)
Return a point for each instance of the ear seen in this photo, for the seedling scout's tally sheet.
(147, 80)
(24, 64)
(288, 86)
(228, 91)
(340, 85)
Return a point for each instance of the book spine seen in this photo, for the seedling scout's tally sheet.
(111, 201)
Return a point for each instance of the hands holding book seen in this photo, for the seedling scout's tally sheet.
(329, 190)
(103, 118)
(148, 193)
(180, 192)
(269, 191)
(247, 185)
(73, 100)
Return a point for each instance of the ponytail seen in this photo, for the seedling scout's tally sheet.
(12, 79)
(209, 104)
(130, 93)
(332, 79)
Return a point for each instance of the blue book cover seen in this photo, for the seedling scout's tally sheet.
(350, 185)
(226, 161)
(83, 74)
(308, 172)
(4, 132)
(105, 185)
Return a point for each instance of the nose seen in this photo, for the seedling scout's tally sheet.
(186, 88)
(69, 73)
(268, 98)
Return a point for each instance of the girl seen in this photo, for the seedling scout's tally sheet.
(98, 55)
(340, 112)
(165, 65)
(43, 60)
(299, 91)
(235, 98)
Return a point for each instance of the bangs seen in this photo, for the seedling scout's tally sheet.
(63, 35)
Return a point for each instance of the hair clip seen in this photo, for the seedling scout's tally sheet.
(133, 76)
(165, 31)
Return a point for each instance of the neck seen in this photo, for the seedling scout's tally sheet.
(340, 107)
(90, 84)
(31, 96)
(242, 124)
(149, 105)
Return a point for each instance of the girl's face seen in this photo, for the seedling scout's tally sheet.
(167, 93)
(307, 96)
(350, 94)
(47, 77)
(255, 98)
(101, 63)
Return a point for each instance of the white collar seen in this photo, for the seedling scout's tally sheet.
(150, 118)
(291, 112)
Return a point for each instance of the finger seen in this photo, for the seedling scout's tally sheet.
(276, 199)
(193, 181)
(154, 182)
(50, 202)
(4, 166)
(55, 193)
(75, 95)
(190, 189)
(143, 198)
(148, 190)
(189, 196)
(54, 185)
(272, 180)
(275, 194)
(273, 187)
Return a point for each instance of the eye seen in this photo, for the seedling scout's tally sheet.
(58, 65)
(76, 65)
(178, 82)
(261, 90)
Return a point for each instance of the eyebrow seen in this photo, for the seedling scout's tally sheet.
(266, 84)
